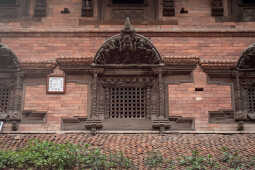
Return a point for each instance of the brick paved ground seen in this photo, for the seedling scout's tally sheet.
(135, 146)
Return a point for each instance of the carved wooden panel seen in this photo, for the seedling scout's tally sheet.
(221, 116)
(8, 2)
(127, 103)
(115, 12)
(217, 8)
(87, 8)
(128, 1)
(30, 116)
(13, 9)
(168, 8)
(8, 12)
(133, 14)
(4, 99)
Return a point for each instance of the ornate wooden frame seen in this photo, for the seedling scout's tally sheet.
(13, 75)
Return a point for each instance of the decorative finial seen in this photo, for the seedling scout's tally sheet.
(128, 26)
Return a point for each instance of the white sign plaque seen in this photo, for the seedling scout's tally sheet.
(56, 84)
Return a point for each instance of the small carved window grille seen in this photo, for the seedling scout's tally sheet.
(4, 99)
(217, 8)
(87, 8)
(40, 8)
(251, 99)
(127, 103)
(168, 8)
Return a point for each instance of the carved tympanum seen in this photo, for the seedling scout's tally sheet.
(8, 59)
(127, 48)
(247, 60)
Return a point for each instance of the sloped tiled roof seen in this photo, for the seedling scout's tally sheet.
(218, 64)
(181, 60)
(75, 61)
(135, 146)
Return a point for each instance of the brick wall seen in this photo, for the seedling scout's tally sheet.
(73, 103)
(50, 48)
(185, 101)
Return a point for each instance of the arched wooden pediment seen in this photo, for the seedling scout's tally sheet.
(8, 58)
(127, 48)
(247, 60)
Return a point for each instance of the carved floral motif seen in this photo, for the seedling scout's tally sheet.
(127, 48)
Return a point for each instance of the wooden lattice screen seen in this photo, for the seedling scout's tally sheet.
(4, 99)
(251, 99)
(127, 103)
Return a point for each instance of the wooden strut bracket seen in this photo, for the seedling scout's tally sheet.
(93, 126)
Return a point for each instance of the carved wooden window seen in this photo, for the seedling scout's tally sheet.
(87, 8)
(248, 95)
(40, 8)
(217, 8)
(4, 99)
(127, 102)
(168, 8)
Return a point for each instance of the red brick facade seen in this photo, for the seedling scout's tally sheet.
(196, 33)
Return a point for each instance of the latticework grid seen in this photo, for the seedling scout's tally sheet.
(4, 99)
(251, 99)
(127, 103)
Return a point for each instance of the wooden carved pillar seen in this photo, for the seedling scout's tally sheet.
(168, 8)
(100, 101)
(158, 96)
(238, 91)
(18, 94)
(217, 8)
(40, 8)
(149, 103)
(107, 103)
(161, 95)
(94, 96)
(241, 112)
(97, 110)
(87, 8)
